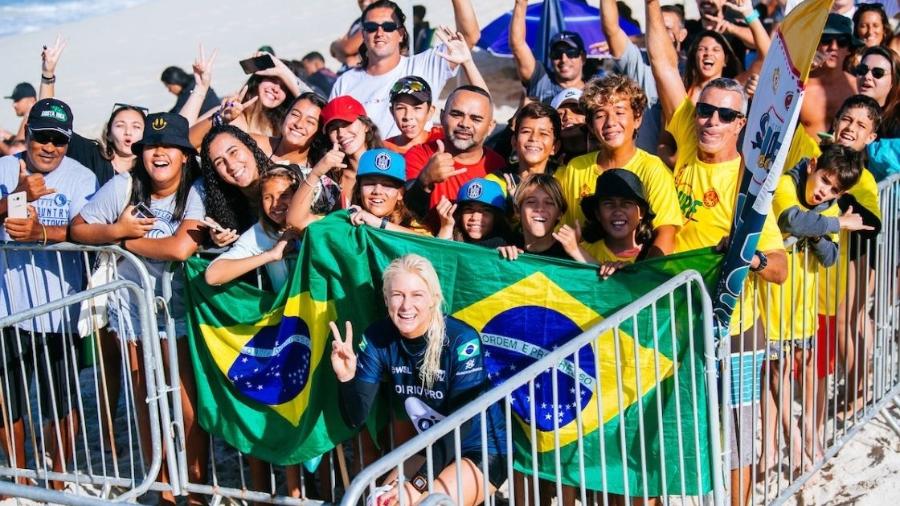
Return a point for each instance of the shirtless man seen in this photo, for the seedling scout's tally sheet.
(828, 85)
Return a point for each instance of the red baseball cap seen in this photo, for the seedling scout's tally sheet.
(344, 108)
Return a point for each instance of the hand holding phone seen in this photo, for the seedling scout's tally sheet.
(16, 206)
(211, 223)
(142, 211)
(257, 63)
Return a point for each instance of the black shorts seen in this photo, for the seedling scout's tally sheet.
(22, 354)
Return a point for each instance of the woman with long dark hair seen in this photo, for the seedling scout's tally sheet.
(155, 212)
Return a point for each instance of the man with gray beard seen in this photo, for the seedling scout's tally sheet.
(438, 169)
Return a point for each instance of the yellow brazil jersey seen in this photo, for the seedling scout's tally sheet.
(706, 195)
(602, 253)
(833, 280)
(579, 178)
(790, 310)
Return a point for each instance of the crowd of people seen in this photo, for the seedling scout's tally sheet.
(640, 160)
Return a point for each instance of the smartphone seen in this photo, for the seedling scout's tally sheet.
(16, 206)
(213, 225)
(142, 211)
(255, 64)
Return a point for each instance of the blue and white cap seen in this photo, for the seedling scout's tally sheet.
(482, 190)
(382, 162)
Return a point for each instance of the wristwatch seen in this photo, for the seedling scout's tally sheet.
(420, 483)
(763, 261)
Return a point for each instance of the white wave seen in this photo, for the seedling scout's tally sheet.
(22, 16)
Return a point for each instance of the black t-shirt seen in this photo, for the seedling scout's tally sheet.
(555, 251)
(87, 152)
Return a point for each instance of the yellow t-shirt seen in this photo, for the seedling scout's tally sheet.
(791, 309)
(579, 178)
(602, 253)
(833, 280)
(707, 194)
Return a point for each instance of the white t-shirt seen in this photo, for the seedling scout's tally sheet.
(374, 92)
(256, 241)
(29, 281)
(106, 206)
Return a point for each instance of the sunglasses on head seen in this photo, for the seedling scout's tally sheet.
(571, 52)
(726, 115)
(119, 105)
(387, 26)
(862, 69)
(55, 138)
(407, 87)
(842, 40)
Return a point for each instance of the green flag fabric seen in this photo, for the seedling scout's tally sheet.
(265, 383)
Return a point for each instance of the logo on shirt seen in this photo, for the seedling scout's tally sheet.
(475, 190)
(710, 198)
(422, 415)
(383, 161)
(60, 200)
(467, 350)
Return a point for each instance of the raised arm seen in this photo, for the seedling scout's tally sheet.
(466, 21)
(202, 79)
(458, 53)
(293, 83)
(522, 54)
(609, 22)
(663, 61)
(754, 35)
(49, 59)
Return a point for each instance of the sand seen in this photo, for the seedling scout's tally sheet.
(120, 56)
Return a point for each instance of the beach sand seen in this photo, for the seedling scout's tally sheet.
(119, 57)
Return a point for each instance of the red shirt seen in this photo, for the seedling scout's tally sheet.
(436, 132)
(417, 158)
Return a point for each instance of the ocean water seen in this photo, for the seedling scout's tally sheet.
(22, 16)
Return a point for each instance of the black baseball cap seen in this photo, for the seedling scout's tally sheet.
(615, 183)
(568, 38)
(50, 114)
(22, 90)
(412, 86)
(165, 129)
(840, 25)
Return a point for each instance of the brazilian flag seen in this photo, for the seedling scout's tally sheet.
(265, 383)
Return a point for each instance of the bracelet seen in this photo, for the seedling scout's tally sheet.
(48, 80)
(384, 223)
(217, 119)
(753, 16)
(44, 233)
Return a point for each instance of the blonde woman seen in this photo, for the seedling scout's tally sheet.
(435, 365)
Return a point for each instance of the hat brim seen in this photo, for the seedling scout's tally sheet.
(382, 174)
(67, 133)
(138, 147)
(589, 206)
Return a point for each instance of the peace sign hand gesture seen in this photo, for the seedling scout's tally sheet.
(50, 57)
(234, 107)
(202, 68)
(343, 360)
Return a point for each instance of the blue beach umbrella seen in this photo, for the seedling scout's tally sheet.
(577, 16)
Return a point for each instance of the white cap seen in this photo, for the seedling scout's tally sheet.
(566, 95)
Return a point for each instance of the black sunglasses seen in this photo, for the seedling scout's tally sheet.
(842, 40)
(387, 26)
(570, 52)
(726, 115)
(862, 69)
(45, 137)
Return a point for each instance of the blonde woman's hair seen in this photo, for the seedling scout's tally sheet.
(434, 337)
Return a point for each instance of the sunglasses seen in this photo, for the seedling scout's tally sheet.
(387, 26)
(842, 40)
(55, 138)
(862, 69)
(570, 52)
(119, 105)
(726, 115)
(405, 87)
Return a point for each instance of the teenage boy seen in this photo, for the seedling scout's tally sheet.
(412, 110)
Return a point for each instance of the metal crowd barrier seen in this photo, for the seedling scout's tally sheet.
(838, 364)
(70, 434)
(661, 299)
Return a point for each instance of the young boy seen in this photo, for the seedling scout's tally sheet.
(412, 110)
(805, 204)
